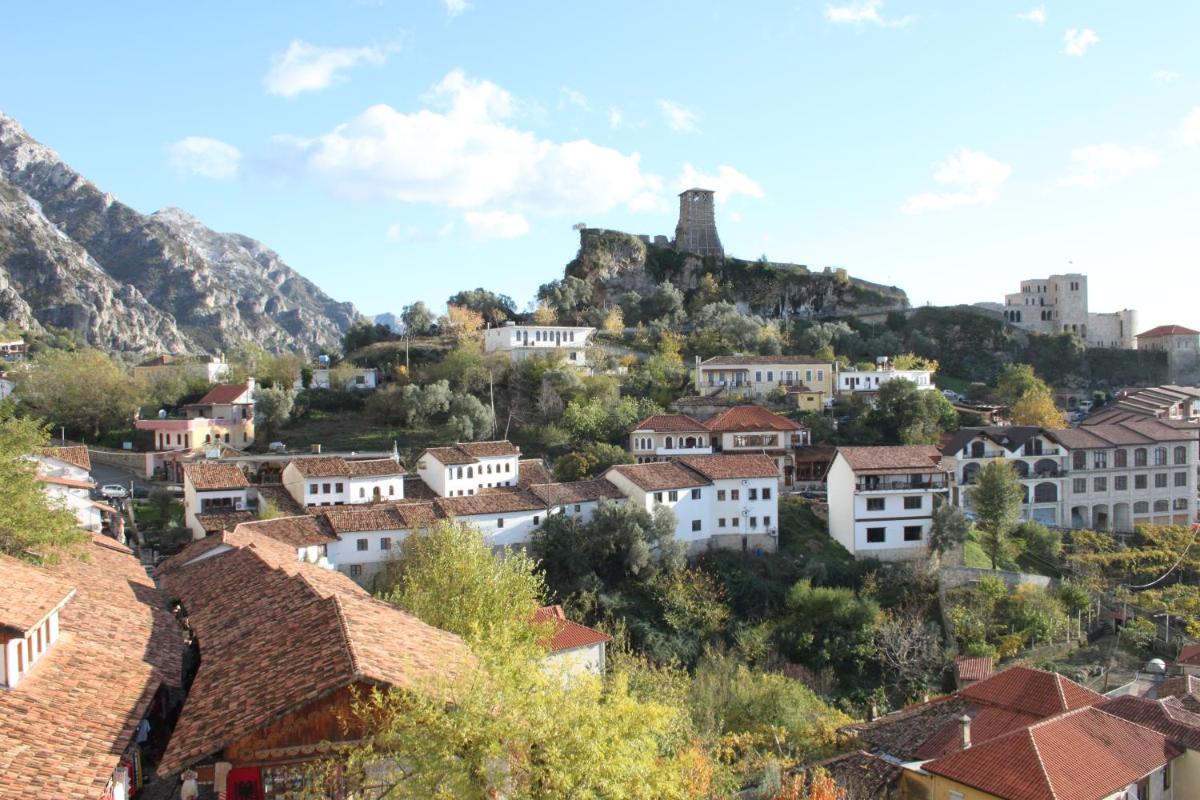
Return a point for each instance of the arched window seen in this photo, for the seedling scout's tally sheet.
(669, 443)
(1160, 456)
(460, 472)
(1045, 467)
(1181, 455)
(1141, 507)
(1045, 493)
(1121, 458)
(1021, 468)
(1139, 457)
(691, 442)
(470, 472)
(1160, 506)
(976, 449)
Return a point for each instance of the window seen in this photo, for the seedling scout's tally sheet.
(356, 570)
(1180, 455)
(911, 503)
(1141, 507)
(912, 533)
(385, 543)
(1139, 457)
(734, 522)
(391, 489)
(758, 377)
(459, 473)
(362, 492)
(508, 467)
(1100, 485)
(1079, 485)
(1179, 504)
(1140, 482)
(470, 472)
(1079, 459)
(672, 496)
(766, 494)
(312, 488)
(721, 522)
(766, 522)
(696, 526)
(820, 375)
(1160, 480)
(1160, 456)
(1181, 479)
(695, 494)
(1121, 458)
(339, 487)
(1121, 483)
(875, 503)
(1160, 506)
(658, 497)
(876, 535)
(537, 520)
(770, 376)
(733, 494)
(754, 494)
(362, 544)
(324, 488)
(1100, 459)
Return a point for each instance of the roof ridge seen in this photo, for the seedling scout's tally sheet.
(345, 632)
(1041, 763)
(1062, 694)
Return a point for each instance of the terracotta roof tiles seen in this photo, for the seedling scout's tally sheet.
(670, 422)
(750, 418)
(659, 476)
(75, 455)
(223, 394)
(731, 466)
(736, 361)
(1168, 330)
(567, 635)
(298, 531)
(28, 594)
(211, 476)
(897, 459)
(559, 494)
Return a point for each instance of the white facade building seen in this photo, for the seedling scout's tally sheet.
(520, 342)
(854, 381)
(350, 377)
(663, 436)
(881, 499)
(66, 477)
(466, 468)
(213, 488)
(335, 481)
(1059, 304)
(1039, 459)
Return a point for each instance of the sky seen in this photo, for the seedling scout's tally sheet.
(402, 150)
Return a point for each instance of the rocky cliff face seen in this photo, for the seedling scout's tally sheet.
(617, 263)
(72, 256)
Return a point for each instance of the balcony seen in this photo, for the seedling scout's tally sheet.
(682, 451)
(902, 485)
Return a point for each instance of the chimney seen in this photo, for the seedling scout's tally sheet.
(965, 722)
(315, 448)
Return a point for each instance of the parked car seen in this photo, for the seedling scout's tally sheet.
(140, 492)
(175, 489)
(952, 396)
(114, 491)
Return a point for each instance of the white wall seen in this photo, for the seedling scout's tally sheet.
(464, 480)
(577, 661)
(362, 490)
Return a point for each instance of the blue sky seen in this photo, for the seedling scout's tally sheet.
(404, 149)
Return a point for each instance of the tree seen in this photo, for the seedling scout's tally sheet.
(666, 304)
(544, 315)
(1036, 407)
(470, 420)
(996, 499)
(828, 626)
(1016, 381)
(949, 528)
(905, 414)
(272, 407)
(279, 369)
(1040, 541)
(591, 461)
(418, 319)
(614, 321)
(362, 334)
(460, 322)
(909, 648)
(31, 527)
(566, 296)
(914, 361)
(85, 391)
(493, 308)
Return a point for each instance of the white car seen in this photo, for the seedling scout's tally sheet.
(952, 395)
(114, 491)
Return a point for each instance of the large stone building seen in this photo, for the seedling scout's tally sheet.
(696, 231)
(1059, 304)
(1182, 346)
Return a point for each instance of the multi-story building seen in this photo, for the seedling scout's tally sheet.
(207, 368)
(223, 416)
(718, 500)
(663, 436)
(1037, 456)
(214, 489)
(862, 381)
(809, 380)
(1059, 304)
(520, 342)
(336, 481)
(1182, 346)
(881, 499)
(1167, 403)
(466, 468)
(65, 474)
(754, 429)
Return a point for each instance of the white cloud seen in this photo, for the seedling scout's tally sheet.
(1098, 164)
(414, 235)
(1078, 40)
(465, 152)
(614, 118)
(1189, 129)
(735, 216)
(1036, 15)
(862, 12)
(976, 176)
(485, 225)
(305, 67)
(677, 117)
(199, 155)
(572, 97)
(456, 7)
(726, 183)
(1165, 75)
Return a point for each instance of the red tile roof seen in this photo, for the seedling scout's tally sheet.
(223, 394)
(374, 467)
(1084, 754)
(559, 494)
(76, 455)
(299, 531)
(492, 503)
(531, 471)
(28, 594)
(731, 466)
(973, 668)
(67, 724)
(1167, 716)
(723, 361)
(750, 418)
(205, 476)
(1032, 691)
(567, 635)
(1189, 654)
(337, 467)
(70, 482)
(1168, 330)
(659, 476)
(471, 452)
(670, 422)
(277, 634)
(892, 460)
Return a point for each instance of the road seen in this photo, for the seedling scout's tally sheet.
(107, 473)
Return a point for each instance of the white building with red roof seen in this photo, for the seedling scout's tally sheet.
(573, 649)
(1182, 346)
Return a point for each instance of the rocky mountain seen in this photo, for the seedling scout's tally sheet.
(73, 256)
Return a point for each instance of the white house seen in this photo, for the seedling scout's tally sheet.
(881, 499)
(754, 429)
(351, 377)
(573, 649)
(857, 381)
(665, 435)
(520, 342)
(336, 481)
(1036, 455)
(718, 500)
(66, 477)
(213, 488)
(466, 468)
